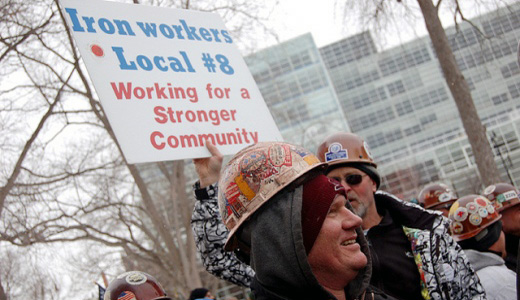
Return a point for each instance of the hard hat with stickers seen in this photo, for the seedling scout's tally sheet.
(135, 285)
(345, 147)
(254, 175)
(502, 195)
(469, 215)
(436, 194)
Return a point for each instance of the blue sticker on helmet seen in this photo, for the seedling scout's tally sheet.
(336, 152)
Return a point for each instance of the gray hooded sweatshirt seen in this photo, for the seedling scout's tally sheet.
(498, 281)
(278, 254)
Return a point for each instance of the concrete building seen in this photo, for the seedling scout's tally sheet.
(399, 101)
(295, 84)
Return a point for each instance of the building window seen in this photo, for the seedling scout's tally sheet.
(396, 88)
(402, 61)
(510, 69)
(412, 130)
(369, 98)
(404, 108)
(428, 119)
(514, 90)
(502, 24)
(499, 99)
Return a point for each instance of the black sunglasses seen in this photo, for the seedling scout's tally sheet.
(354, 179)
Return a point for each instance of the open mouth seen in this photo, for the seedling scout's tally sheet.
(348, 242)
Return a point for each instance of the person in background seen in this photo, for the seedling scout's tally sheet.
(201, 293)
(476, 226)
(135, 285)
(413, 254)
(506, 200)
(437, 196)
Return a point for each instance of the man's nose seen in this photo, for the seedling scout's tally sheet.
(345, 185)
(352, 220)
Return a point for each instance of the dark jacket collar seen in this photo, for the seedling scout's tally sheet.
(405, 213)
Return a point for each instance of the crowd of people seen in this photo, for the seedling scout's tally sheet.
(290, 224)
(259, 238)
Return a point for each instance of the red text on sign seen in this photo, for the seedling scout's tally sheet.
(165, 115)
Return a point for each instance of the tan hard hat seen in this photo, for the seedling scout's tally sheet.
(255, 175)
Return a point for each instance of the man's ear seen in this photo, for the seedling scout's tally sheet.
(374, 185)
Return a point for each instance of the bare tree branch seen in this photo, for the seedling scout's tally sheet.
(4, 191)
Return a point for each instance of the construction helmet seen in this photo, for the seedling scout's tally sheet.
(345, 147)
(502, 195)
(135, 285)
(436, 194)
(469, 215)
(254, 175)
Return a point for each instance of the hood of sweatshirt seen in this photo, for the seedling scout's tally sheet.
(278, 254)
(480, 260)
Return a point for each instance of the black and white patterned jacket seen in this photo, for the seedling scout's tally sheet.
(210, 236)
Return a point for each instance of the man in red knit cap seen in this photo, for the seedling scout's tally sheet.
(293, 226)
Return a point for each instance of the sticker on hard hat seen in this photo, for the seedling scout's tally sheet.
(460, 214)
(254, 163)
(483, 212)
(481, 201)
(280, 156)
(445, 197)
(498, 204)
(234, 205)
(475, 219)
(456, 227)
(507, 196)
(336, 152)
(127, 296)
(135, 278)
(490, 189)
(472, 207)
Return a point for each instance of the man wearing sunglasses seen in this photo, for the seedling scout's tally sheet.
(413, 255)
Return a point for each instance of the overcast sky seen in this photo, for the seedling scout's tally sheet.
(292, 18)
(296, 17)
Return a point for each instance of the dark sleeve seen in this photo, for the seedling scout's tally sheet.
(210, 236)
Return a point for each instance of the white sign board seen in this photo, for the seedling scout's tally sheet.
(168, 79)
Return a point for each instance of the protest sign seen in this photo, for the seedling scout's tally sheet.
(168, 79)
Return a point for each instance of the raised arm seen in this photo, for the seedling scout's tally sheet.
(209, 231)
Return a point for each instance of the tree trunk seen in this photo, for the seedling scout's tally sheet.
(178, 199)
(3, 296)
(459, 88)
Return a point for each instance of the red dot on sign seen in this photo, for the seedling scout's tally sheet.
(98, 51)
